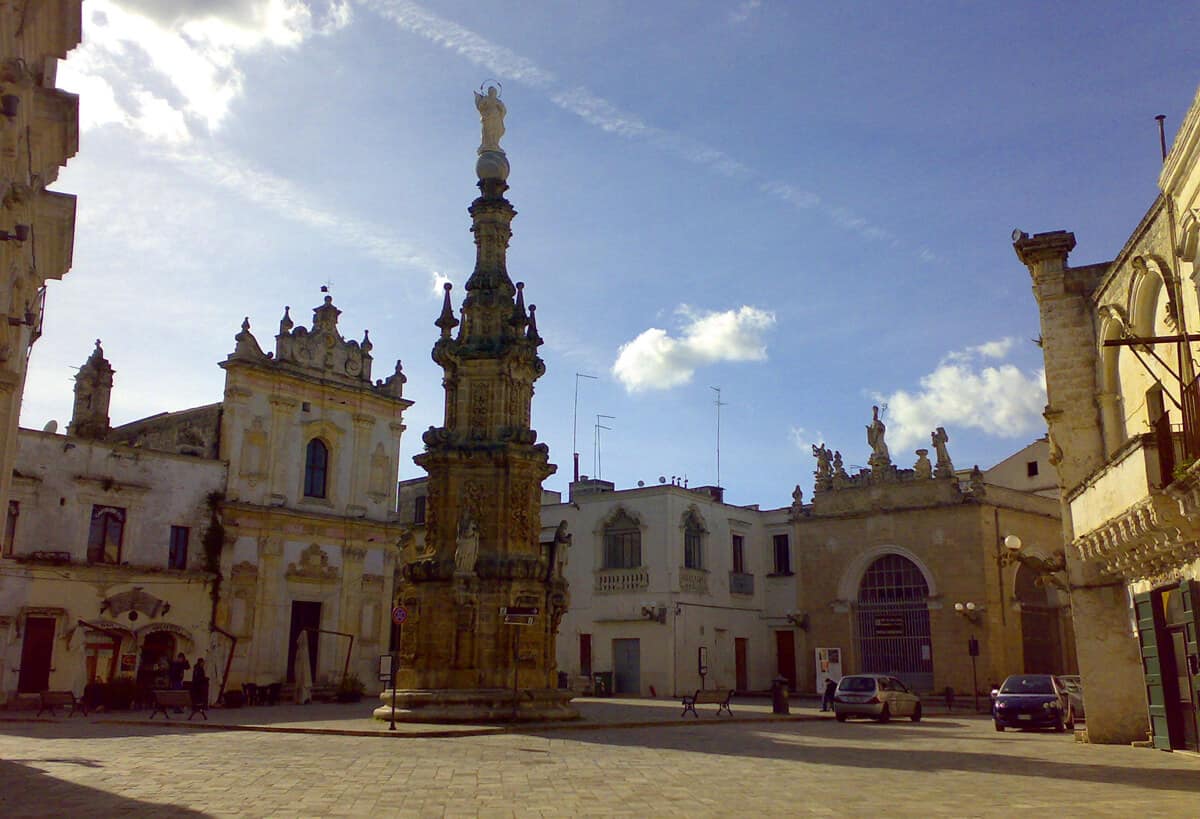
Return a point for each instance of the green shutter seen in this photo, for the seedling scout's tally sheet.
(1149, 623)
(1190, 592)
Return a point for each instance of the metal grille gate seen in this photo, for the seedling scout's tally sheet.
(893, 622)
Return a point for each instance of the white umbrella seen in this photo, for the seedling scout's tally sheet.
(303, 669)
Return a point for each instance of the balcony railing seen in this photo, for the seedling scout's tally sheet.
(610, 581)
(694, 581)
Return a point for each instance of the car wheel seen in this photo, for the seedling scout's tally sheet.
(885, 714)
(840, 717)
(1058, 724)
(999, 727)
(916, 714)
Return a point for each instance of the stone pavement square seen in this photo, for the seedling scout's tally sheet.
(947, 765)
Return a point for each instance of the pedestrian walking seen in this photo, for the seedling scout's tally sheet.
(827, 697)
(199, 684)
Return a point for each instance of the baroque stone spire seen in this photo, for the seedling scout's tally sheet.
(93, 392)
(482, 549)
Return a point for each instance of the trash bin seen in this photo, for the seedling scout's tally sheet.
(779, 695)
(602, 684)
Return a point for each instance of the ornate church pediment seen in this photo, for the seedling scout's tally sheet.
(313, 565)
(322, 347)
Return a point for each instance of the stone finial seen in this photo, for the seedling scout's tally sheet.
(366, 345)
(944, 467)
(394, 384)
(325, 317)
(446, 321)
(923, 469)
(519, 318)
(286, 324)
(532, 333)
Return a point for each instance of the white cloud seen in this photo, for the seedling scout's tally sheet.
(998, 399)
(742, 11)
(804, 440)
(176, 64)
(656, 360)
(440, 280)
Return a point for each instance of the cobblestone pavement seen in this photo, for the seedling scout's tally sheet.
(944, 766)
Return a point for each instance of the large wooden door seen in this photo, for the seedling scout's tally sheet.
(785, 656)
(305, 615)
(37, 651)
(627, 667)
(740, 672)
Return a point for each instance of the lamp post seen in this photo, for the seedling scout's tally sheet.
(971, 612)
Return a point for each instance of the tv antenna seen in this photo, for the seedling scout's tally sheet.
(575, 423)
(719, 403)
(596, 443)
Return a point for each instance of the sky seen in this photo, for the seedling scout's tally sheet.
(806, 205)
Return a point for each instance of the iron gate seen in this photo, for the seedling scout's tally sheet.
(893, 622)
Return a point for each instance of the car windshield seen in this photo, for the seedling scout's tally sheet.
(1027, 685)
(857, 684)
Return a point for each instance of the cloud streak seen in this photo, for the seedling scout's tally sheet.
(655, 360)
(967, 389)
(605, 115)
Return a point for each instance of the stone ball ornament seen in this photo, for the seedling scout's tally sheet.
(492, 165)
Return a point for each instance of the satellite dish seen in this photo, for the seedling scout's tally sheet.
(51, 426)
(641, 483)
(662, 478)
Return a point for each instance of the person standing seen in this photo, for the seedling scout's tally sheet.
(830, 690)
(179, 667)
(199, 684)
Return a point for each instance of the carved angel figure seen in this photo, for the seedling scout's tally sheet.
(824, 458)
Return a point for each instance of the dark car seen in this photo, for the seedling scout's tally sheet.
(1032, 701)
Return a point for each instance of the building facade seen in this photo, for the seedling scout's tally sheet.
(224, 531)
(1124, 423)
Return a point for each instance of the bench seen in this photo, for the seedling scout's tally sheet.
(177, 699)
(718, 696)
(52, 699)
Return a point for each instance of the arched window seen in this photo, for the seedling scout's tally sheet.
(893, 621)
(316, 469)
(622, 543)
(693, 541)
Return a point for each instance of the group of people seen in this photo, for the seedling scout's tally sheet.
(199, 682)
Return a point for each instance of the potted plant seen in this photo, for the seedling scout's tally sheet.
(350, 689)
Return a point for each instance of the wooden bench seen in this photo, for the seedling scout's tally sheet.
(177, 699)
(53, 699)
(718, 696)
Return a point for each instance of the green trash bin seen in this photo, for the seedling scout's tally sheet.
(602, 684)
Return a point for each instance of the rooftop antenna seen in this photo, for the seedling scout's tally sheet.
(719, 404)
(575, 423)
(596, 443)
(1162, 136)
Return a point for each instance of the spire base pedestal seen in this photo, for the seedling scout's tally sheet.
(480, 705)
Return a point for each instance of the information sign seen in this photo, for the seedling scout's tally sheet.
(519, 615)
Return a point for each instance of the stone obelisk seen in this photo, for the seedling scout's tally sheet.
(483, 595)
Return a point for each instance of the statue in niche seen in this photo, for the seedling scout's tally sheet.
(466, 550)
(491, 117)
(875, 437)
(944, 467)
(923, 469)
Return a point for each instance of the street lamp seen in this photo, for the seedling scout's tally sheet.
(1045, 568)
(971, 612)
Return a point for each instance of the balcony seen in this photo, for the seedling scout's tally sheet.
(615, 581)
(1126, 517)
(741, 583)
(693, 581)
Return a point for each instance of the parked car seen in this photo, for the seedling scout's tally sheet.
(1074, 686)
(875, 695)
(1032, 701)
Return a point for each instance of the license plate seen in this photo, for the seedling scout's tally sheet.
(1024, 716)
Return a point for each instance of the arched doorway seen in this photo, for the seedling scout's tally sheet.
(1041, 626)
(157, 650)
(893, 622)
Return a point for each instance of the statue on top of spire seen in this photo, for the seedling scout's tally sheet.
(491, 117)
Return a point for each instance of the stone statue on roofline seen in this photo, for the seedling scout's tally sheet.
(880, 458)
(944, 468)
(824, 473)
(491, 117)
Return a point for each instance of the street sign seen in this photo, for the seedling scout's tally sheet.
(519, 615)
(399, 615)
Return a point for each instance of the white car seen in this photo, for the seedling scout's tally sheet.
(875, 695)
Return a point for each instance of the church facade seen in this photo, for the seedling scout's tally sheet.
(232, 531)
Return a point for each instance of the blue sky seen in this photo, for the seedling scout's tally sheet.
(805, 204)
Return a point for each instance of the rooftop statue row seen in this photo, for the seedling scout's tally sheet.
(320, 350)
(831, 471)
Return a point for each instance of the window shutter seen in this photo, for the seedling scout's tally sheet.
(1189, 591)
(1149, 622)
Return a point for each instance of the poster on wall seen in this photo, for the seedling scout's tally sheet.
(828, 665)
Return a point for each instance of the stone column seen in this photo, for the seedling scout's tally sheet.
(282, 410)
(266, 663)
(350, 605)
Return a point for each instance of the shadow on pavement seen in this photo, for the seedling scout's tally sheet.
(29, 791)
